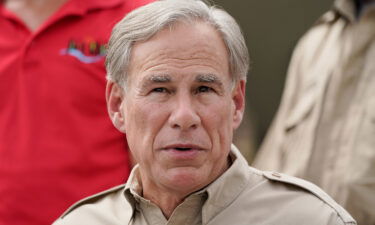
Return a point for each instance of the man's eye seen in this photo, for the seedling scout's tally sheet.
(159, 90)
(204, 89)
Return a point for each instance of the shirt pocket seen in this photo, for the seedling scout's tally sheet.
(301, 110)
(298, 130)
(363, 149)
(361, 180)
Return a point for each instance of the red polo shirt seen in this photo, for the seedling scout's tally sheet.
(57, 143)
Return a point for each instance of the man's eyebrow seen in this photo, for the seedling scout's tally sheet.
(156, 79)
(208, 78)
(160, 78)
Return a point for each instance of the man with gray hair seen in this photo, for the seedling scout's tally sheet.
(176, 84)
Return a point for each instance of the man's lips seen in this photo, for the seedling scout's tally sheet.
(182, 153)
(183, 147)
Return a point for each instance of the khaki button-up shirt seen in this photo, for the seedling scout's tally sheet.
(242, 195)
(324, 130)
(146, 212)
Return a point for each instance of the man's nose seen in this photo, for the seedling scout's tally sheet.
(184, 115)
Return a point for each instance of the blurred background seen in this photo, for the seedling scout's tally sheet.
(271, 29)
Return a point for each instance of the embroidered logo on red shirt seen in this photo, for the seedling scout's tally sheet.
(87, 51)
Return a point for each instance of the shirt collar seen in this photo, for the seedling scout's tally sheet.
(71, 7)
(133, 187)
(224, 190)
(352, 9)
(81, 7)
(346, 8)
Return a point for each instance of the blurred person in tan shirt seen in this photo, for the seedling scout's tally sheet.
(324, 130)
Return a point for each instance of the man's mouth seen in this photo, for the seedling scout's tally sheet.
(183, 149)
(182, 152)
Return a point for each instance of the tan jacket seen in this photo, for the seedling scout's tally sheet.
(242, 195)
(324, 130)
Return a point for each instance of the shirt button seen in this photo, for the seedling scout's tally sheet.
(276, 174)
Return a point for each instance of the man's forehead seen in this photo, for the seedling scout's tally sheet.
(185, 45)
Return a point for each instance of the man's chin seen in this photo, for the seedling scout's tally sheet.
(186, 179)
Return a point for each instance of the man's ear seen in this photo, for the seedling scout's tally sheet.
(115, 97)
(238, 97)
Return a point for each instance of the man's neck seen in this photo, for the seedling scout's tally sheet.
(33, 12)
(167, 202)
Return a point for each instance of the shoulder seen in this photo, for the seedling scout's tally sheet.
(319, 196)
(297, 198)
(94, 199)
(107, 207)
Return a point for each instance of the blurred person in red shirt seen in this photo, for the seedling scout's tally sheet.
(57, 143)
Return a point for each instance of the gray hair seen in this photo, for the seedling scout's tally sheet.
(144, 22)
